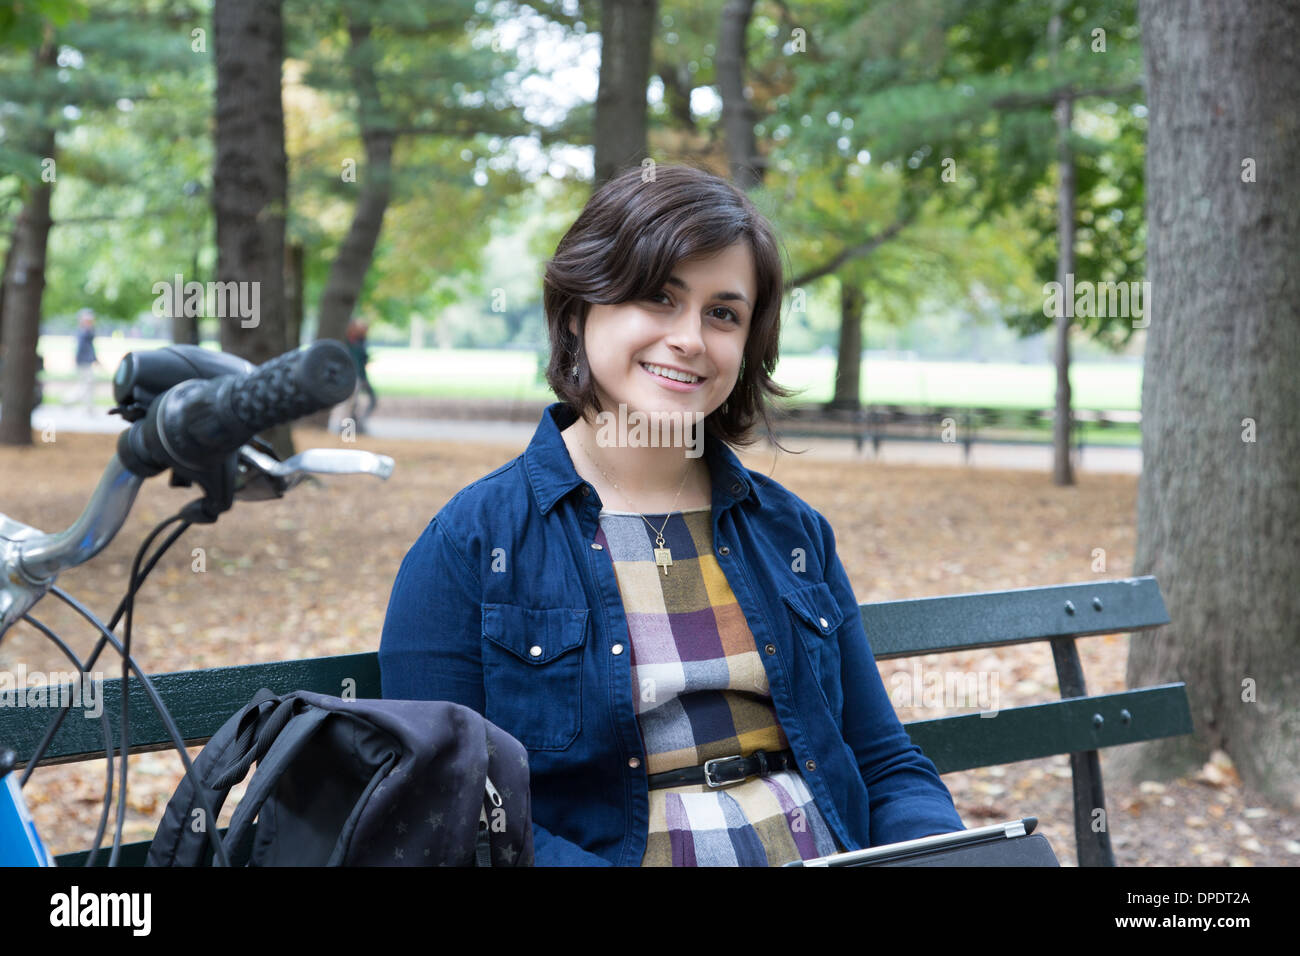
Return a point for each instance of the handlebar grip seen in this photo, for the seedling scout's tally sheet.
(294, 385)
(201, 420)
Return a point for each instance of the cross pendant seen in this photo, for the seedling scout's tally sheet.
(663, 558)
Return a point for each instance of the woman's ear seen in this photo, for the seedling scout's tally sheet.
(573, 326)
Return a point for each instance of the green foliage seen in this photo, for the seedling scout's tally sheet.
(445, 89)
(23, 24)
(130, 102)
(899, 91)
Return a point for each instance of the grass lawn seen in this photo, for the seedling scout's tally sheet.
(487, 373)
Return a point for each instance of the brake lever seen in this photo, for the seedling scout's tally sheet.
(262, 477)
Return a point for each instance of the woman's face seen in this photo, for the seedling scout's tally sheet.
(697, 323)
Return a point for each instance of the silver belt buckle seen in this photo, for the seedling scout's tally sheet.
(708, 772)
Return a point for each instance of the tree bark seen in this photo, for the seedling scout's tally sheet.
(848, 363)
(352, 262)
(293, 293)
(1062, 469)
(678, 86)
(24, 287)
(185, 328)
(746, 165)
(250, 178)
(4, 273)
(626, 29)
(1218, 500)
(21, 319)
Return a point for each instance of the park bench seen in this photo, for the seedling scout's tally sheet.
(1078, 724)
(876, 424)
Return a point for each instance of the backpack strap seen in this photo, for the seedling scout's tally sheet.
(280, 751)
(177, 841)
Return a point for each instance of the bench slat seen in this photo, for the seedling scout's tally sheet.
(1043, 730)
(199, 701)
(996, 618)
(967, 741)
(132, 854)
(202, 700)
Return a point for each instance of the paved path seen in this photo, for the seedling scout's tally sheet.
(983, 454)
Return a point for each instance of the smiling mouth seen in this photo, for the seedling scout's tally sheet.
(672, 376)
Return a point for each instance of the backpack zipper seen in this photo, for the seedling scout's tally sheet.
(483, 852)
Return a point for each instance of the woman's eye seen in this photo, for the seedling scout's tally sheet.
(662, 298)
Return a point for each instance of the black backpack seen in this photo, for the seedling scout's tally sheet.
(356, 783)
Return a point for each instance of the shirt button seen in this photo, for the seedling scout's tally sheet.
(634, 762)
(823, 621)
(810, 764)
(770, 648)
(724, 550)
(597, 546)
(535, 650)
(737, 488)
(586, 490)
(617, 649)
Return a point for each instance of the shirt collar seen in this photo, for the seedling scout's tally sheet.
(551, 473)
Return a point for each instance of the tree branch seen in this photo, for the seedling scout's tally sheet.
(863, 248)
(1019, 101)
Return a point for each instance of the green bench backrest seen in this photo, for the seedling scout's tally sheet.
(200, 701)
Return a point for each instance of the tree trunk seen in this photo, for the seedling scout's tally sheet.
(626, 29)
(848, 364)
(352, 262)
(24, 287)
(743, 159)
(1062, 470)
(185, 328)
(4, 272)
(293, 293)
(1219, 501)
(21, 316)
(250, 179)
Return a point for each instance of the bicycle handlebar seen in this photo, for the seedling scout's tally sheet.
(196, 428)
(200, 421)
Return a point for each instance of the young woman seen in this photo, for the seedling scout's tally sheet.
(669, 634)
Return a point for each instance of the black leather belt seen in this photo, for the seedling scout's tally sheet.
(724, 771)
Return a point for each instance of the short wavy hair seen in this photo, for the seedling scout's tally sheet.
(624, 245)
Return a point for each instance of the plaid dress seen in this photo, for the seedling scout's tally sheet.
(701, 692)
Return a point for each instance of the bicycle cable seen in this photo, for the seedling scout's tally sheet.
(126, 607)
(57, 721)
(154, 698)
(106, 728)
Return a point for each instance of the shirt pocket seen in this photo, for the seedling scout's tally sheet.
(817, 617)
(532, 672)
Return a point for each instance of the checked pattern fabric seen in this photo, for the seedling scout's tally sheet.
(701, 692)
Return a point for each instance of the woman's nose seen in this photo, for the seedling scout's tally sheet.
(685, 334)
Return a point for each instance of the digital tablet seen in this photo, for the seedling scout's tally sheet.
(941, 846)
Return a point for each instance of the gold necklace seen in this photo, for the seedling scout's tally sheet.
(663, 554)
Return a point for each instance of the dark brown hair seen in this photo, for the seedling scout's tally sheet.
(624, 246)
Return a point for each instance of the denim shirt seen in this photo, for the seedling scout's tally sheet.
(503, 604)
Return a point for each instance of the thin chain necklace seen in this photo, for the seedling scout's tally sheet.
(663, 554)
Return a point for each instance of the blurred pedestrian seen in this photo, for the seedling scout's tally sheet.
(86, 361)
(355, 340)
